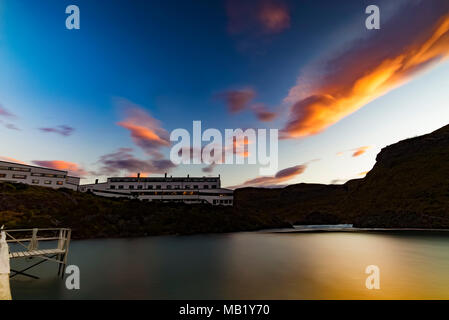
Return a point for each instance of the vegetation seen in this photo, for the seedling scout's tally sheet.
(25, 206)
(408, 187)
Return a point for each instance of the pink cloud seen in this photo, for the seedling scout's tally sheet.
(281, 176)
(72, 168)
(146, 131)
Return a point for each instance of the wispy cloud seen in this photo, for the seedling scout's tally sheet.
(11, 126)
(6, 113)
(237, 100)
(123, 161)
(281, 176)
(9, 159)
(146, 131)
(356, 152)
(371, 67)
(63, 130)
(262, 113)
(242, 99)
(257, 17)
(72, 168)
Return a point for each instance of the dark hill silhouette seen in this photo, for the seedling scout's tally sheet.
(407, 187)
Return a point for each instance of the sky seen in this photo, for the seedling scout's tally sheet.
(102, 101)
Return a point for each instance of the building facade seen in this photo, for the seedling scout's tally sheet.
(37, 176)
(164, 189)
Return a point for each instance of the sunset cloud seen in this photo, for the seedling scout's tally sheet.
(356, 152)
(262, 113)
(62, 130)
(281, 176)
(359, 151)
(274, 16)
(123, 161)
(9, 159)
(412, 41)
(257, 17)
(237, 100)
(146, 132)
(71, 167)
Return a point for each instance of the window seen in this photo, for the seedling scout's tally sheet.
(131, 187)
(140, 187)
(19, 176)
(215, 201)
(187, 187)
(59, 183)
(150, 187)
(206, 186)
(195, 187)
(177, 186)
(158, 187)
(112, 187)
(37, 174)
(120, 187)
(47, 182)
(214, 187)
(21, 169)
(168, 187)
(4, 168)
(2, 175)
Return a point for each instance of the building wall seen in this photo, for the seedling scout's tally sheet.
(37, 176)
(187, 190)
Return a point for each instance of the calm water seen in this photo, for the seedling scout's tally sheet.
(328, 265)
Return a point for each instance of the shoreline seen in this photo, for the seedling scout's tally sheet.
(350, 229)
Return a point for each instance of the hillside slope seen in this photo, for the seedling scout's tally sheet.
(407, 187)
(24, 206)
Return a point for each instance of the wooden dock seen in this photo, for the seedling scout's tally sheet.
(25, 243)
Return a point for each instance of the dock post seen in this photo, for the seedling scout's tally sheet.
(33, 243)
(66, 251)
(5, 290)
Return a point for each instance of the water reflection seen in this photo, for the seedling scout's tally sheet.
(326, 265)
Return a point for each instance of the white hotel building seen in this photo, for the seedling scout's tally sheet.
(37, 176)
(164, 189)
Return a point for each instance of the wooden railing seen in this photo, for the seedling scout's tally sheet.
(25, 243)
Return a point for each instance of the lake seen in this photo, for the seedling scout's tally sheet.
(252, 265)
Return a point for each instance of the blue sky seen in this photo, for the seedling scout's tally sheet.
(176, 60)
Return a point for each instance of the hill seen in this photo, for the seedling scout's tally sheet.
(90, 216)
(407, 187)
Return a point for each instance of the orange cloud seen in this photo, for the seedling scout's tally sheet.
(281, 176)
(359, 151)
(71, 167)
(355, 152)
(370, 68)
(9, 159)
(364, 173)
(146, 131)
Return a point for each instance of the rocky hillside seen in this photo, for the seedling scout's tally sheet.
(24, 206)
(408, 187)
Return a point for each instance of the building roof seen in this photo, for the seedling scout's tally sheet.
(28, 165)
(163, 179)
